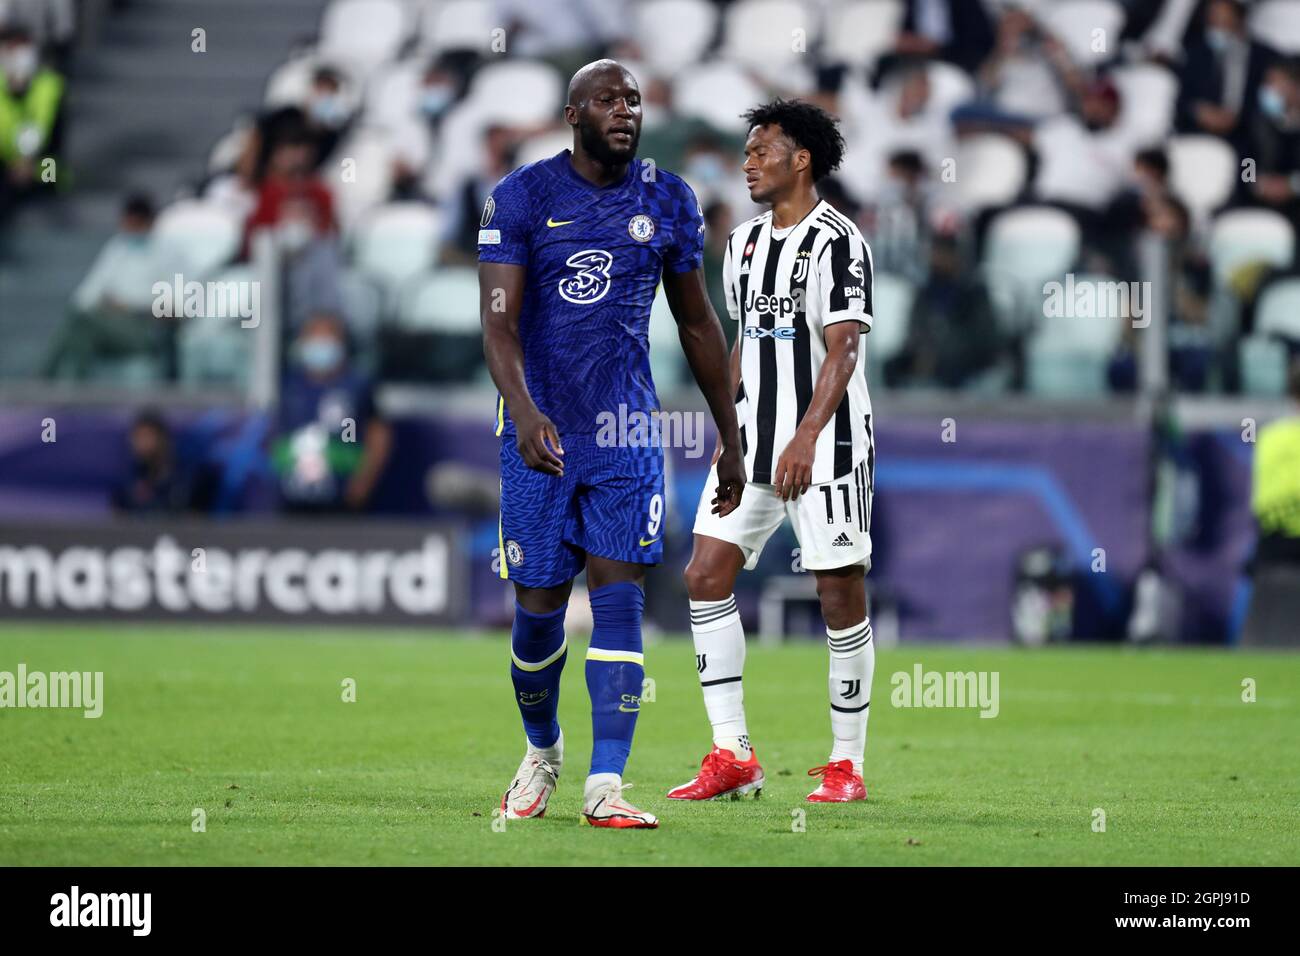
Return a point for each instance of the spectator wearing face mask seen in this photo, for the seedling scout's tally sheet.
(321, 119)
(1275, 141)
(331, 443)
(112, 309)
(418, 137)
(31, 106)
(1221, 67)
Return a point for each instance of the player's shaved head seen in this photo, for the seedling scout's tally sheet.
(591, 77)
(604, 110)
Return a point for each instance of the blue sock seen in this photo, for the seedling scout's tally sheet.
(537, 653)
(615, 673)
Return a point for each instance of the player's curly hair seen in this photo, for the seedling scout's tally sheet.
(810, 126)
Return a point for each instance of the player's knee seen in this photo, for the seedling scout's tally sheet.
(705, 581)
(842, 605)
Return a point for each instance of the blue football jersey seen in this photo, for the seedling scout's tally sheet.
(594, 257)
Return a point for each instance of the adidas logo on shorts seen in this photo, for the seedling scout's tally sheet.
(842, 541)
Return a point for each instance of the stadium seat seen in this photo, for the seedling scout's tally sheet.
(442, 301)
(762, 34)
(1068, 354)
(543, 146)
(1202, 172)
(1027, 247)
(991, 170)
(667, 362)
(362, 33)
(290, 83)
(457, 25)
(517, 93)
(891, 303)
(1147, 96)
(1263, 363)
(227, 150)
(437, 337)
(950, 86)
(673, 34)
(213, 350)
(1277, 312)
(372, 154)
(207, 234)
(858, 31)
(1276, 24)
(1075, 22)
(1241, 237)
(716, 93)
(363, 304)
(396, 242)
(393, 92)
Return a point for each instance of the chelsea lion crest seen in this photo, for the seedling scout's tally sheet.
(641, 228)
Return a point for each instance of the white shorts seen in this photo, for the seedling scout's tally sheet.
(832, 522)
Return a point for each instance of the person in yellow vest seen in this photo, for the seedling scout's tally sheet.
(1275, 501)
(31, 99)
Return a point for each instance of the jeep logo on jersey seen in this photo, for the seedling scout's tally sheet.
(785, 333)
(591, 279)
(778, 306)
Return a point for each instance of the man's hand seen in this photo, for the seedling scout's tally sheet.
(731, 482)
(1214, 118)
(794, 467)
(536, 436)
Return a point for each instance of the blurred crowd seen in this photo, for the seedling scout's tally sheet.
(993, 146)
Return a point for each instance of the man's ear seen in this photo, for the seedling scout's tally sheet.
(802, 159)
(571, 114)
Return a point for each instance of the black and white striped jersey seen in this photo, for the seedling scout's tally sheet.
(784, 287)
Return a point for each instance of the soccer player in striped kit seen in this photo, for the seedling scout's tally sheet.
(798, 280)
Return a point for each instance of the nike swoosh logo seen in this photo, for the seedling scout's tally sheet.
(646, 544)
(552, 223)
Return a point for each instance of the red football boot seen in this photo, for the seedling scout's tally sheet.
(722, 775)
(839, 783)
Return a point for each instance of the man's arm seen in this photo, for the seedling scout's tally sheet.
(501, 296)
(794, 467)
(706, 352)
(375, 451)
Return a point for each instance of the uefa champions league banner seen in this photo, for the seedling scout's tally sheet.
(359, 572)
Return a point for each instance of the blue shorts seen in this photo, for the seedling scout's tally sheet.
(609, 503)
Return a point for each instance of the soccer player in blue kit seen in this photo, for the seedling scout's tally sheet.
(571, 252)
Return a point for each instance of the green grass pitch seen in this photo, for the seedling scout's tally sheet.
(250, 726)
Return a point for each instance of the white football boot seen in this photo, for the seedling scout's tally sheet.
(534, 782)
(603, 805)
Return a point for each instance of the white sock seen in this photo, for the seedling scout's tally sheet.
(554, 754)
(597, 780)
(720, 661)
(853, 661)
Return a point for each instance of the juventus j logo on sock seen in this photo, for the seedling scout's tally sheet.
(701, 662)
(851, 689)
